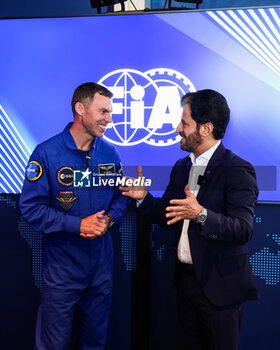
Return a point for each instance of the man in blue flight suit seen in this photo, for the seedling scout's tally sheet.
(58, 198)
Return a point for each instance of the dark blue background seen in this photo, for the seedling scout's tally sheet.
(143, 307)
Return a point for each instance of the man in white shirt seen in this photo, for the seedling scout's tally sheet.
(210, 201)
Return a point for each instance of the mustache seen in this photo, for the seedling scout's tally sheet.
(182, 134)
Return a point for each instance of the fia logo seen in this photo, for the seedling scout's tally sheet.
(146, 106)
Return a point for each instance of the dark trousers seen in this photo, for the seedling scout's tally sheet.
(204, 326)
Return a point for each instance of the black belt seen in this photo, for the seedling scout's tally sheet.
(188, 268)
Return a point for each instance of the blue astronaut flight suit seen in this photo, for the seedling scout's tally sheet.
(76, 271)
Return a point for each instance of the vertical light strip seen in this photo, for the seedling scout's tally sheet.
(14, 155)
(276, 18)
(11, 161)
(8, 147)
(2, 177)
(13, 136)
(8, 176)
(262, 37)
(11, 123)
(259, 37)
(11, 170)
(271, 26)
(264, 29)
(269, 58)
(265, 55)
(1, 185)
(24, 160)
(254, 52)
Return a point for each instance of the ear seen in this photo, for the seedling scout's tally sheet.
(206, 129)
(79, 108)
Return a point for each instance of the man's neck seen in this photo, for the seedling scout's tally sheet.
(205, 146)
(83, 141)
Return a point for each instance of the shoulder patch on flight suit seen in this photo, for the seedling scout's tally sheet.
(34, 170)
(120, 171)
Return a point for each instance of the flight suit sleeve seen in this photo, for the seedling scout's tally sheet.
(35, 202)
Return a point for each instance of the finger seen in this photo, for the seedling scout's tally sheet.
(127, 194)
(102, 221)
(124, 188)
(101, 226)
(175, 208)
(84, 235)
(175, 213)
(177, 201)
(187, 191)
(139, 171)
(97, 227)
(102, 212)
(126, 178)
(98, 232)
(176, 219)
(100, 217)
(101, 232)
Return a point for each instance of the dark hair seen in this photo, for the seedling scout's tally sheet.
(208, 106)
(87, 91)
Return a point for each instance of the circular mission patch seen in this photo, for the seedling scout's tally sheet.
(34, 170)
(65, 176)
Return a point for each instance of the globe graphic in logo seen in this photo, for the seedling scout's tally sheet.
(146, 106)
(130, 115)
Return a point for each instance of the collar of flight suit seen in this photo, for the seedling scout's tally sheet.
(70, 142)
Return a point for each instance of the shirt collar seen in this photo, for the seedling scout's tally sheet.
(206, 156)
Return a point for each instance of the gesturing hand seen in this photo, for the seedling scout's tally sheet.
(94, 225)
(181, 209)
(132, 191)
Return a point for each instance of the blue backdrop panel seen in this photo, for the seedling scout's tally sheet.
(153, 60)
(260, 329)
(20, 256)
(20, 261)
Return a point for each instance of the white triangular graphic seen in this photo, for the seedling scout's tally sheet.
(14, 155)
(258, 30)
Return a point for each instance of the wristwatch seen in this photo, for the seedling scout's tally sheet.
(201, 217)
(111, 220)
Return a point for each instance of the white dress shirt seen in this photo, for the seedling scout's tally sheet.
(199, 165)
